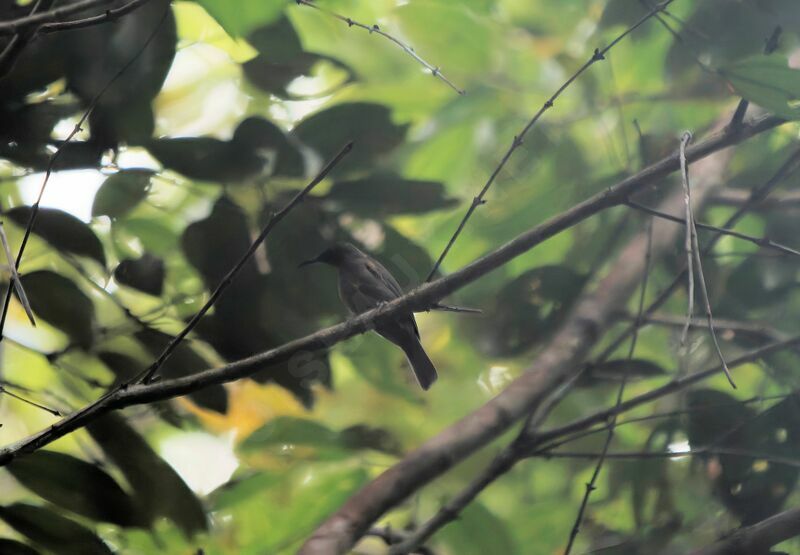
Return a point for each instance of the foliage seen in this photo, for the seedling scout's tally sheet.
(228, 110)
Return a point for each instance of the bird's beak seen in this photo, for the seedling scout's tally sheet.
(308, 262)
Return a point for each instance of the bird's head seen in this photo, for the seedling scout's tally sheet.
(335, 255)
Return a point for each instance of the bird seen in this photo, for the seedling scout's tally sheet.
(364, 284)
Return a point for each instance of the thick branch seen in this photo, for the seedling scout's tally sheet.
(757, 538)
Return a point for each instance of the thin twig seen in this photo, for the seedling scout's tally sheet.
(5, 390)
(423, 296)
(106, 15)
(670, 455)
(675, 385)
(597, 55)
(661, 415)
(695, 252)
(15, 281)
(757, 538)
(75, 131)
(760, 241)
(15, 25)
(591, 485)
(435, 71)
(18, 42)
(755, 197)
(150, 372)
(687, 243)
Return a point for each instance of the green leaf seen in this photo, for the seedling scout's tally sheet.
(381, 195)
(767, 81)
(75, 485)
(156, 487)
(369, 125)
(121, 192)
(286, 430)
(281, 58)
(238, 18)
(53, 531)
(57, 300)
(478, 531)
(63, 231)
(238, 490)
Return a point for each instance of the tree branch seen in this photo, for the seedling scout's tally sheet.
(16, 25)
(560, 360)
(435, 71)
(439, 454)
(765, 242)
(757, 538)
(598, 55)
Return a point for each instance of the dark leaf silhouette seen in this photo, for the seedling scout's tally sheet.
(57, 300)
(145, 274)
(62, 230)
(155, 486)
(52, 531)
(75, 485)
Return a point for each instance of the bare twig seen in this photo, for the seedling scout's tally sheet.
(786, 200)
(435, 71)
(15, 281)
(760, 241)
(597, 55)
(58, 14)
(75, 131)
(687, 243)
(757, 538)
(18, 42)
(106, 15)
(755, 197)
(591, 485)
(673, 386)
(657, 416)
(5, 390)
(150, 372)
(694, 251)
(477, 429)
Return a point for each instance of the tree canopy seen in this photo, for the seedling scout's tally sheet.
(591, 205)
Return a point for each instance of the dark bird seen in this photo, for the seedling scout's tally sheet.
(365, 284)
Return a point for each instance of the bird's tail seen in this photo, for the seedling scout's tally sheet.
(422, 366)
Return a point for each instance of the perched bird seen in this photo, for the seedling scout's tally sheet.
(365, 284)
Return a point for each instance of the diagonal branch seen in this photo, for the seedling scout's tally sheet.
(765, 242)
(57, 153)
(225, 282)
(435, 71)
(470, 435)
(16, 25)
(755, 197)
(757, 538)
(555, 365)
(597, 55)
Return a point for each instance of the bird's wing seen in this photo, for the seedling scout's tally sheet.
(383, 276)
(387, 282)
